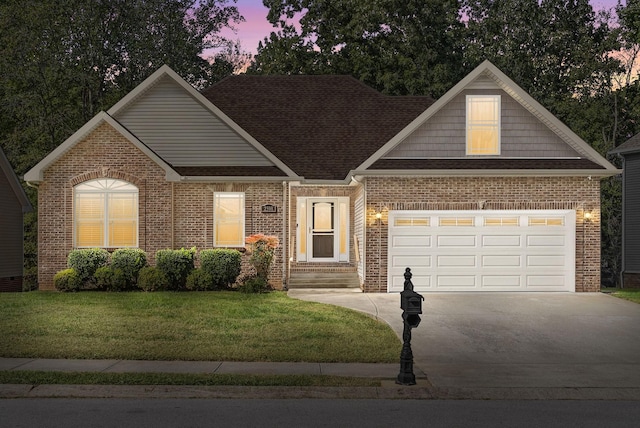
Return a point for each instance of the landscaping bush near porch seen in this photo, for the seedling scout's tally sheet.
(206, 326)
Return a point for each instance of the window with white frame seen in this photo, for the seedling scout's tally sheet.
(228, 219)
(105, 214)
(483, 124)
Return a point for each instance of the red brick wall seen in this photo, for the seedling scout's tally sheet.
(461, 193)
(194, 217)
(105, 153)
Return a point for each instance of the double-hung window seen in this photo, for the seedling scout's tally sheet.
(483, 124)
(105, 214)
(228, 219)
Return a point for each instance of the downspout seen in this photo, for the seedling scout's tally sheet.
(172, 216)
(285, 235)
(624, 200)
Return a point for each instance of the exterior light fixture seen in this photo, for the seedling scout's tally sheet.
(588, 216)
(378, 216)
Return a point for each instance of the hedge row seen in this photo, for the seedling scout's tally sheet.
(126, 269)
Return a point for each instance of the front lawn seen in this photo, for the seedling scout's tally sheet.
(205, 326)
(627, 294)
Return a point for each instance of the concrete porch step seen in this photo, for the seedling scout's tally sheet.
(324, 280)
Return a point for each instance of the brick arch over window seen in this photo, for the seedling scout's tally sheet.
(106, 173)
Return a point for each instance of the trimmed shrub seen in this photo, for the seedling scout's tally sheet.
(199, 280)
(110, 279)
(222, 265)
(176, 265)
(67, 280)
(129, 261)
(87, 261)
(254, 284)
(152, 279)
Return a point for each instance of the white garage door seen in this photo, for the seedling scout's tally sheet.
(483, 250)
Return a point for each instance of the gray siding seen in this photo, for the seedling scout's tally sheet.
(443, 135)
(184, 133)
(631, 214)
(11, 248)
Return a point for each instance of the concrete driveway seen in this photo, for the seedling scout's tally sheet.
(513, 340)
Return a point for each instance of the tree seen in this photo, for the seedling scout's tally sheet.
(62, 61)
(398, 46)
(554, 49)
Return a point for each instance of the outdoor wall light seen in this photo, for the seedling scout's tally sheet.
(588, 216)
(378, 216)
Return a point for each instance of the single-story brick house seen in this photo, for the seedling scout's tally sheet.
(13, 205)
(629, 151)
(480, 190)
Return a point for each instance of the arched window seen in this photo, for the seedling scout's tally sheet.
(105, 214)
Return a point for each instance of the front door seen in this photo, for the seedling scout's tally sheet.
(323, 229)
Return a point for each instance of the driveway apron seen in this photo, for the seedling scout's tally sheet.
(513, 340)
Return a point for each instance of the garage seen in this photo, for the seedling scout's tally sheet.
(484, 250)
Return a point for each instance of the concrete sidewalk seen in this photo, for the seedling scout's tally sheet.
(381, 371)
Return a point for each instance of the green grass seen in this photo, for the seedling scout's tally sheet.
(627, 294)
(66, 378)
(205, 326)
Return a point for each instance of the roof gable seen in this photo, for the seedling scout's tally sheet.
(186, 129)
(14, 183)
(487, 78)
(632, 145)
(36, 174)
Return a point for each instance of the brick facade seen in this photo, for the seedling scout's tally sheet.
(496, 193)
(180, 214)
(171, 215)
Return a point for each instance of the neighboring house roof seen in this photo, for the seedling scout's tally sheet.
(591, 162)
(323, 126)
(36, 173)
(629, 146)
(14, 183)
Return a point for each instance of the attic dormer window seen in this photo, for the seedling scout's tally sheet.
(483, 124)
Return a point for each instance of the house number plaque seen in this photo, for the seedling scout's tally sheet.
(269, 209)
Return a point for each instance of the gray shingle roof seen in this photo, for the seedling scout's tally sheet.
(631, 145)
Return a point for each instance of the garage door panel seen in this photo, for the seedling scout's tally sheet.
(419, 281)
(456, 281)
(456, 241)
(501, 260)
(546, 241)
(501, 241)
(546, 261)
(516, 254)
(421, 262)
(411, 241)
(456, 261)
(545, 281)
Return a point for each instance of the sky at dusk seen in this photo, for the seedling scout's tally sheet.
(256, 27)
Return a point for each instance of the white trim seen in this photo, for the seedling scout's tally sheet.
(36, 174)
(304, 217)
(486, 173)
(518, 94)
(452, 257)
(498, 123)
(242, 216)
(106, 226)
